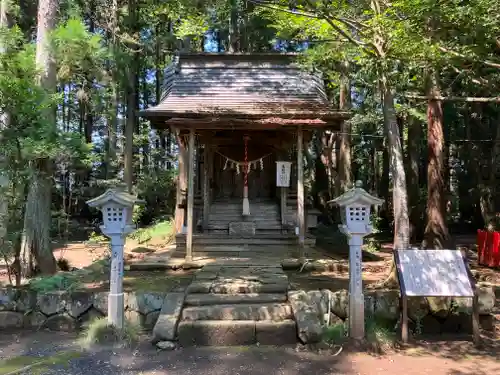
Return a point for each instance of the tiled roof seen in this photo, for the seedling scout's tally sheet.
(256, 86)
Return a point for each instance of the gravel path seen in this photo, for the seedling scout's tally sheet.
(145, 360)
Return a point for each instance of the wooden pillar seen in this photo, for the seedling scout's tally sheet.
(206, 186)
(181, 185)
(190, 203)
(300, 191)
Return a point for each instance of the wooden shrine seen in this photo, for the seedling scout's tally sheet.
(235, 116)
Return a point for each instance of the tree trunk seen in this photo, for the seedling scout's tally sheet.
(413, 149)
(37, 219)
(130, 124)
(233, 28)
(395, 150)
(436, 234)
(344, 161)
(4, 123)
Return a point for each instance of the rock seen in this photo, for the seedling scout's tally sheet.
(52, 303)
(145, 302)
(309, 326)
(276, 333)
(166, 345)
(217, 332)
(417, 308)
(78, 303)
(26, 300)
(487, 322)
(61, 322)
(334, 320)
(35, 320)
(386, 305)
(134, 317)
(150, 320)
(486, 299)
(290, 264)
(319, 265)
(320, 298)
(7, 299)
(11, 319)
(101, 302)
(439, 306)
(166, 326)
(89, 316)
(339, 303)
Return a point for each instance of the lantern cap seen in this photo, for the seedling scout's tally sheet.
(117, 195)
(357, 195)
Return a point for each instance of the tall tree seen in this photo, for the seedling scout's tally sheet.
(37, 219)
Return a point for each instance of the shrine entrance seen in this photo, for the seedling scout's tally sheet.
(229, 173)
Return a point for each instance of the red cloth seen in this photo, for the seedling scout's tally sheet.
(488, 248)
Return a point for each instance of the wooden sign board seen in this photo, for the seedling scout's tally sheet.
(434, 273)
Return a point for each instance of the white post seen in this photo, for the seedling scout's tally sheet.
(190, 200)
(300, 193)
(116, 299)
(356, 298)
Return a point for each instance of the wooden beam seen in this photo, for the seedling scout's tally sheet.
(180, 208)
(300, 192)
(206, 187)
(190, 221)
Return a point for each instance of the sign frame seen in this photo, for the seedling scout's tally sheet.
(404, 296)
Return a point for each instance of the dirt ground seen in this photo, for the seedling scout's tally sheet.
(63, 356)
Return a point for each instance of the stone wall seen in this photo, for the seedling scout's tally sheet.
(427, 315)
(70, 311)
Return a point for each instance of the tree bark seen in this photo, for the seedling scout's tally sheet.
(130, 124)
(4, 123)
(344, 162)
(395, 150)
(37, 219)
(436, 234)
(413, 149)
(233, 28)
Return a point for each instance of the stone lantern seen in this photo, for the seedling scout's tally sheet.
(355, 205)
(117, 207)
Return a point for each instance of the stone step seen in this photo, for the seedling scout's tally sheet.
(233, 299)
(234, 332)
(276, 312)
(237, 287)
(258, 239)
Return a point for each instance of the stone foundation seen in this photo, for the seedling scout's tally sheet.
(71, 311)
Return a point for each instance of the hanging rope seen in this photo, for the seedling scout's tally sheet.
(246, 161)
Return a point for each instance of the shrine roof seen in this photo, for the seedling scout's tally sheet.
(253, 86)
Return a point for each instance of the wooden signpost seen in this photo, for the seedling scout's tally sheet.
(435, 273)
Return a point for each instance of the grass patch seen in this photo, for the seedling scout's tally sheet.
(335, 334)
(101, 332)
(62, 281)
(162, 230)
(36, 365)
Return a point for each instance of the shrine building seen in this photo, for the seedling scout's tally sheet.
(242, 122)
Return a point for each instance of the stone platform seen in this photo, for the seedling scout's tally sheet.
(236, 303)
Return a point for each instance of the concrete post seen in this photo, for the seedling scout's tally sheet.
(356, 298)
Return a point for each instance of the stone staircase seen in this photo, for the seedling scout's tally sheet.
(264, 214)
(237, 304)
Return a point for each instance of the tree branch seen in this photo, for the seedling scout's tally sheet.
(491, 64)
(455, 98)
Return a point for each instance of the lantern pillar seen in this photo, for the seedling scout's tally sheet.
(116, 298)
(355, 205)
(190, 199)
(116, 206)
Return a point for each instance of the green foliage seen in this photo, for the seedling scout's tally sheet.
(335, 334)
(62, 281)
(162, 230)
(379, 334)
